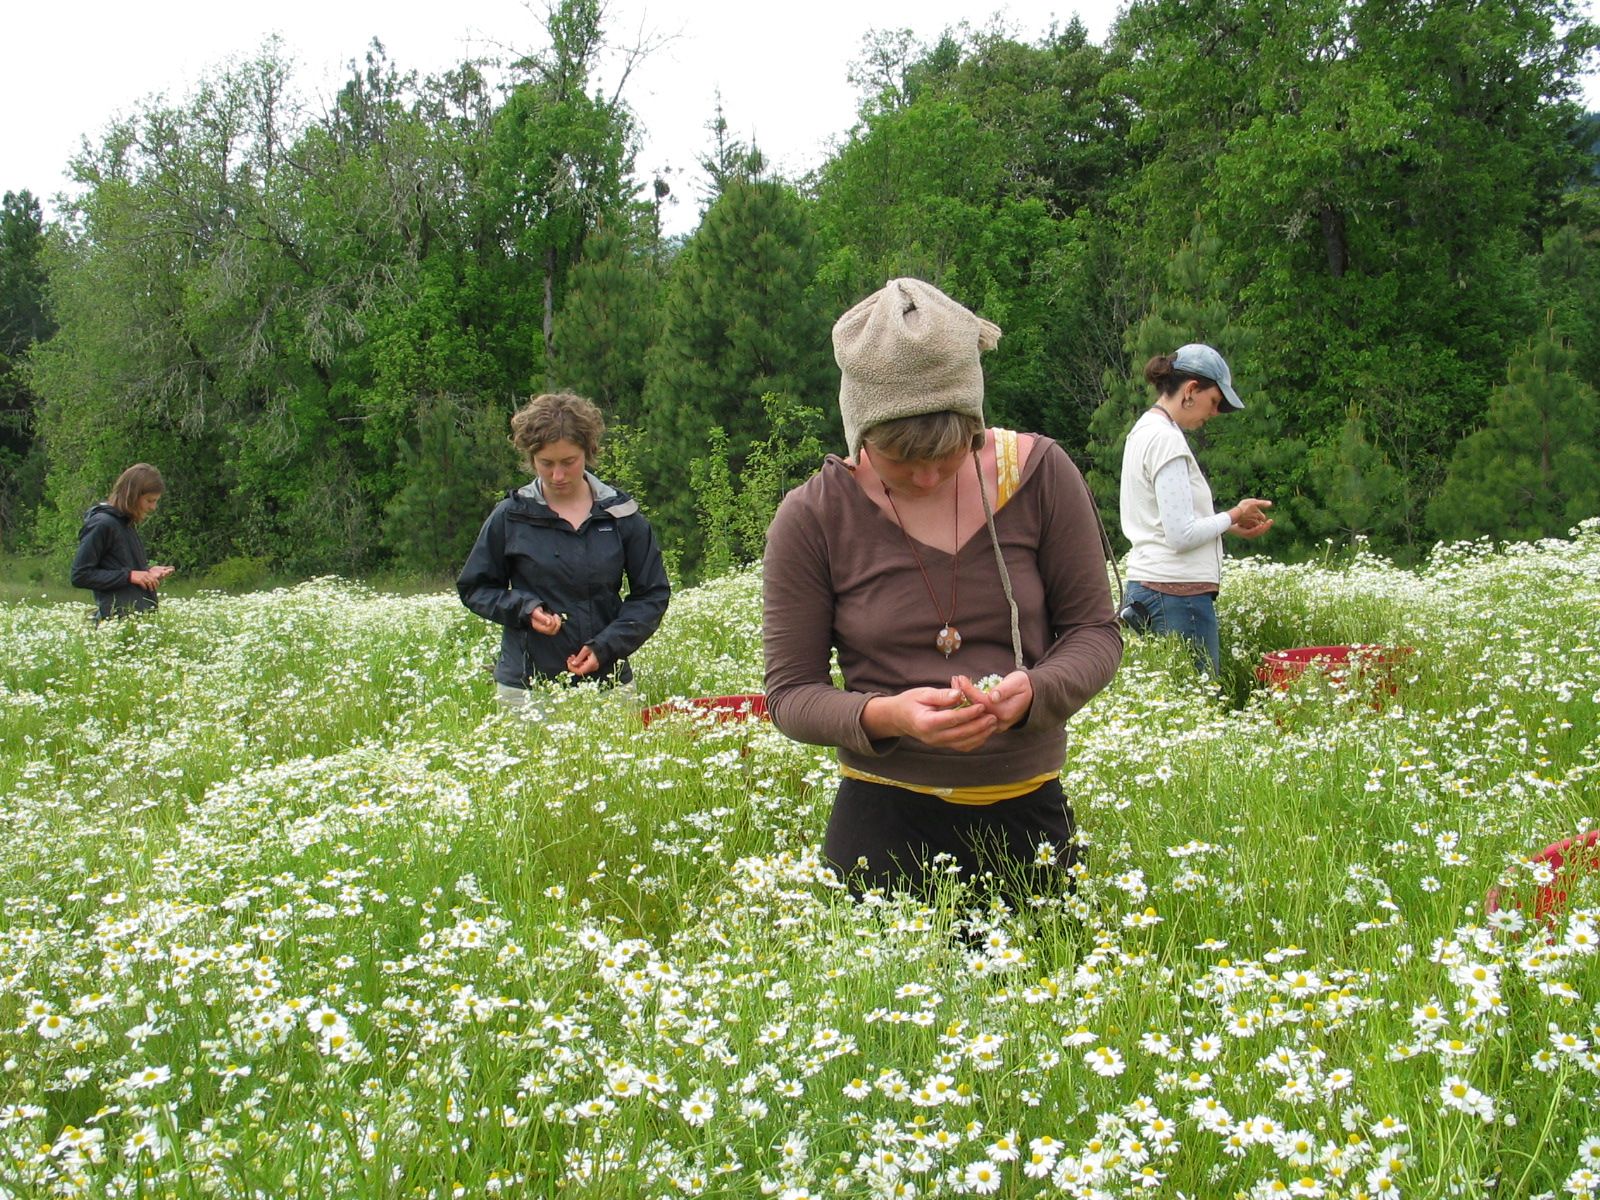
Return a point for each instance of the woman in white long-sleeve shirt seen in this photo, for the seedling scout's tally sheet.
(1175, 566)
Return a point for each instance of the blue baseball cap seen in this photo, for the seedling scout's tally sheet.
(1199, 359)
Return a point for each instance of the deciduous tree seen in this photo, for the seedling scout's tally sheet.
(560, 160)
(1372, 170)
(978, 164)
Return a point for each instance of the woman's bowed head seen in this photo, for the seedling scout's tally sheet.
(137, 493)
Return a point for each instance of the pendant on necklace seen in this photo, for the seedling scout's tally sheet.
(948, 641)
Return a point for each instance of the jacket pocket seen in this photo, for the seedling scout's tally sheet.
(608, 558)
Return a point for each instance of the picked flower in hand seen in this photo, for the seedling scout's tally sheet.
(985, 685)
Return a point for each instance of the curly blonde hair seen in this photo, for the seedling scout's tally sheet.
(557, 417)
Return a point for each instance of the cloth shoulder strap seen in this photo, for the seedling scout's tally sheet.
(1106, 547)
(1007, 465)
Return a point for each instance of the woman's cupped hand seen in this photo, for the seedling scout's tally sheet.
(960, 717)
(1009, 700)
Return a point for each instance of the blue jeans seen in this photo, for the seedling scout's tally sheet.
(1193, 618)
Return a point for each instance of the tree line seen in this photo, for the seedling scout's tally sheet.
(316, 321)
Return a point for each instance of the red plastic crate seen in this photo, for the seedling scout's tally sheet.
(1569, 858)
(1280, 668)
(748, 707)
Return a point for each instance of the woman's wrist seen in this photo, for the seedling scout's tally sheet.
(877, 718)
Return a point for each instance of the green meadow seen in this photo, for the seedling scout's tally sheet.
(289, 907)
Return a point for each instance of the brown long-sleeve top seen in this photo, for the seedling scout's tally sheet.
(839, 574)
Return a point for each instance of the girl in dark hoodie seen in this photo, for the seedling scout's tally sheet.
(111, 560)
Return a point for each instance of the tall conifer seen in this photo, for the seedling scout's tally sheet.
(1533, 470)
(739, 322)
(607, 324)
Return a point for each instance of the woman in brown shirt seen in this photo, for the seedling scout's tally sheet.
(940, 553)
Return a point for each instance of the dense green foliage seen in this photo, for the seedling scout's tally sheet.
(316, 323)
(23, 323)
(1535, 464)
(737, 325)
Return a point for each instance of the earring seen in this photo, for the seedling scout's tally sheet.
(1188, 402)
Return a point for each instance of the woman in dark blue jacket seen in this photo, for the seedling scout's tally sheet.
(549, 562)
(110, 560)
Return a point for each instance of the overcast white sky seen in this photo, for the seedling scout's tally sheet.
(780, 68)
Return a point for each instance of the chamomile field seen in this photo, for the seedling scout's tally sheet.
(291, 908)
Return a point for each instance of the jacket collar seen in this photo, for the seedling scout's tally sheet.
(610, 501)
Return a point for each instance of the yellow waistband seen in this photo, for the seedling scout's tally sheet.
(989, 794)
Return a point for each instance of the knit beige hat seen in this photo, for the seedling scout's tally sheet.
(906, 350)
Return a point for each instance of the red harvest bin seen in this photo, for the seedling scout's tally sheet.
(1569, 858)
(751, 706)
(1280, 668)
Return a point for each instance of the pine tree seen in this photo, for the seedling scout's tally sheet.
(1569, 277)
(607, 324)
(449, 478)
(739, 322)
(1360, 493)
(1533, 470)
